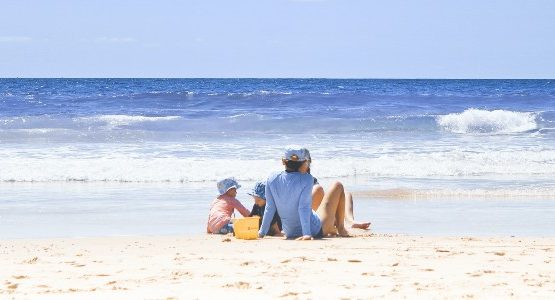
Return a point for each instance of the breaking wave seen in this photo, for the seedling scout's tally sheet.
(485, 121)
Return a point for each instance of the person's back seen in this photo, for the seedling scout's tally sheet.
(290, 193)
(258, 194)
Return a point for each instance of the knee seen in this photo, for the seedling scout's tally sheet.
(318, 190)
(337, 186)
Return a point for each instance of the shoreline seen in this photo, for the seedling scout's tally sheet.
(209, 266)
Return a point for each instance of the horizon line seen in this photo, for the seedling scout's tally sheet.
(289, 78)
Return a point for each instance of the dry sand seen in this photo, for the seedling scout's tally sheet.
(208, 267)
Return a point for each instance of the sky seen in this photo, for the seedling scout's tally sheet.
(278, 38)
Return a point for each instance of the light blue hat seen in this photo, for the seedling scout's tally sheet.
(259, 190)
(225, 184)
(295, 154)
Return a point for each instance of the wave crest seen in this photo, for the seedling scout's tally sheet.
(485, 121)
(120, 120)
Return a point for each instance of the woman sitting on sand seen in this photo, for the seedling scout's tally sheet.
(336, 190)
(290, 194)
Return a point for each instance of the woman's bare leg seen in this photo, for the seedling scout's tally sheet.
(349, 215)
(317, 196)
(332, 211)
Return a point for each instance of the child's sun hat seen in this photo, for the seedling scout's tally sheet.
(225, 185)
(259, 190)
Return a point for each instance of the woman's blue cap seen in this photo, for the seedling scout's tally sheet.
(295, 154)
(225, 185)
(259, 190)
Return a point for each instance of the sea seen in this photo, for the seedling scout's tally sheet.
(117, 157)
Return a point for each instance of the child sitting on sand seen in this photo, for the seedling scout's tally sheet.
(223, 206)
(259, 195)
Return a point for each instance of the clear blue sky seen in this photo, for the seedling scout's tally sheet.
(278, 38)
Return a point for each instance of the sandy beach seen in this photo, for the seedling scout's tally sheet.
(207, 267)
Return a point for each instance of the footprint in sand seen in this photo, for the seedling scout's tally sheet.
(31, 261)
(20, 277)
(181, 273)
(500, 284)
(238, 284)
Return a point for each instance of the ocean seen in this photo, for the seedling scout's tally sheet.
(86, 157)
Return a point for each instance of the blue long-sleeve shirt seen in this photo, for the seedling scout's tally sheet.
(291, 195)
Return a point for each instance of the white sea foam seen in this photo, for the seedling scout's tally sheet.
(40, 130)
(450, 193)
(485, 121)
(135, 164)
(121, 120)
(253, 116)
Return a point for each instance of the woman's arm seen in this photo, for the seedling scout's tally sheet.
(270, 210)
(305, 206)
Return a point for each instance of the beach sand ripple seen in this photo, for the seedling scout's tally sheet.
(369, 266)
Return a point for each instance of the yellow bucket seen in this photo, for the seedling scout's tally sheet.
(246, 228)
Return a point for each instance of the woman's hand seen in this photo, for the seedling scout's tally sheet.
(304, 238)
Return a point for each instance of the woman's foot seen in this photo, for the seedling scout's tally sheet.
(364, 225)
(342, 232)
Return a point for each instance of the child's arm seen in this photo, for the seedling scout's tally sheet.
(242, 210)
